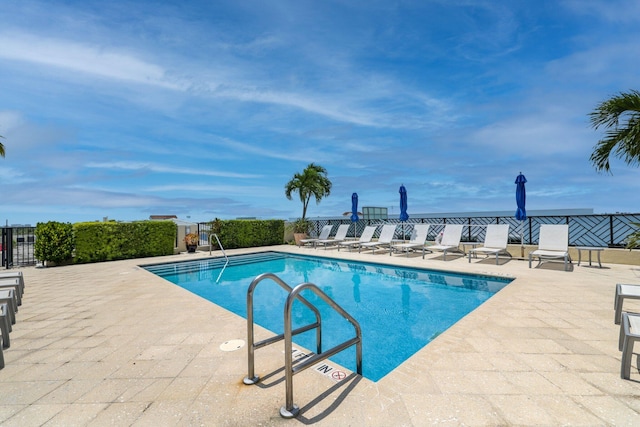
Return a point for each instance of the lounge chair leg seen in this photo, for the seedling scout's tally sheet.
(628, 340)
(617, 304)
(5, 325)
(618, 312)
(625, 367)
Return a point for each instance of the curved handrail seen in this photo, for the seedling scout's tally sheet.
(251, 378)
(223, 253)
(290, 410)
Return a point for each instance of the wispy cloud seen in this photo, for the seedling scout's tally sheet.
(107, 62)
(615, 11)
(83, 58)
(150, 167)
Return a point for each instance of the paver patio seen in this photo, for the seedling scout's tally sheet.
(111, 344)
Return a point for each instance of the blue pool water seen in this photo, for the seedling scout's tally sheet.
(400, 310)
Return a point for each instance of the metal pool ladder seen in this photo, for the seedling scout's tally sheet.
(223, 253)
(291, 410)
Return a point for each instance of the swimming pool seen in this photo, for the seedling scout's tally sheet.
(400, 310)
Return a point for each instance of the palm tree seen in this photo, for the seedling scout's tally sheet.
(312, 181)
(1, 148)
(621, 140)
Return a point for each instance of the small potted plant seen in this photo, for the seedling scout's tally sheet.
(300, 229)
(191, 240)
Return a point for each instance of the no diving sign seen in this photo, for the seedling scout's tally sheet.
(338, 375)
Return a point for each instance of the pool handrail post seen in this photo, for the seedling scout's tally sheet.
(290, 409)
(251, 378)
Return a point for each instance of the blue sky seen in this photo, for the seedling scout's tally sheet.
(206, 109)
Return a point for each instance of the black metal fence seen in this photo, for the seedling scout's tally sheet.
(606, 230)
(16, 246)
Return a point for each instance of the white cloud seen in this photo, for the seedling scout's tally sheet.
(9, 175)
(10, 120)
(106, 62)
(615, 11)
(84, 58)
(151, 167)
(212, 189)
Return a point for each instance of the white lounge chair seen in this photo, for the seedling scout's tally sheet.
(341, 234)
(495, 241)
(14, 275)
(366, 237)
(629, 335)
(324, 234)
(8, 296)
(418, 239)
(450, 240)
(624, 291)
(553, 243)
(15, 285)
(5, 325)
(386, 236)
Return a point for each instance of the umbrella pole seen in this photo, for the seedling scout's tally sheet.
(521, 239)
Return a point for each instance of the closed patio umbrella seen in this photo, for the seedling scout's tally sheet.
(403, 207)
(354, 212)
(521, 213)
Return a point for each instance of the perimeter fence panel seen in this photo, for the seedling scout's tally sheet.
(18, 246)
(204, 229)
(589, 231)
(620, 226)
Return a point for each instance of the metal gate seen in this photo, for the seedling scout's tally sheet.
(16, 246)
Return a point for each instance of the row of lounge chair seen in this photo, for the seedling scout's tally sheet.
(11, 292)
(629, 325)
(553, 242)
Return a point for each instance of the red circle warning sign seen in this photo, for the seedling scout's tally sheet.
(338, 375)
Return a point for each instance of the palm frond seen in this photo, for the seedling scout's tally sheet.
(621, 115)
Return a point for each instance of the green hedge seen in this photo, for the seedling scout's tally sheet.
(109, 241)
(87, 242)
(248, 233)
(54, 242)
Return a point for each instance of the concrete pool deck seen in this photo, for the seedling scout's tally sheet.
(112, 344)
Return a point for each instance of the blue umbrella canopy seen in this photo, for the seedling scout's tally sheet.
(354, 207)
(403, 204)
(521, 197)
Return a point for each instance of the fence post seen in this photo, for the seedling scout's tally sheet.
(7, 247)
(611, 230)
